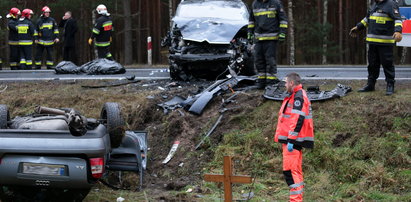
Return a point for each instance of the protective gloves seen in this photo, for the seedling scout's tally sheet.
(250, 36)
(281, 37)
(290, 147)
(90, 41)
(353, 32)
(397, 36)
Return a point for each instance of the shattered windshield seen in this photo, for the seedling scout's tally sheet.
(232, 10)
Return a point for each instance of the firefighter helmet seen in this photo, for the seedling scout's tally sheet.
(102, 10)
(45, 9)
(26, 12)
(13, 12)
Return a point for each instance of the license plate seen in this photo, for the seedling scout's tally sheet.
(43, 169)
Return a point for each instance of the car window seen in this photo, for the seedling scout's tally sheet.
(408, 2)
(213, 9)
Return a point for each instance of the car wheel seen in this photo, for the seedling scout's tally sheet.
(4, 116)
(114, 122)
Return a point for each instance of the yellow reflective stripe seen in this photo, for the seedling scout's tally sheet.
(272, 77)
(283, 26)
(56, 32)
(261, 77)
(46, 43)
(13, 43)
(398, 24)
(49, 63)
(267, 38)
(96, 31)
(46, 26)
(25, 43)
(251, 26)
(107, 24)
(380, 40)
(364, 23)
(102, 43)
(109, 55)
(265, 13)
(38, 63)
(381, 20)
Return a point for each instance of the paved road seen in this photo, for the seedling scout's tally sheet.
(311, 73)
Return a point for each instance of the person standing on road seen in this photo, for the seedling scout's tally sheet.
(267, 24)
(295, 130)
(102, 33)
(69, 25)
(48, 36)
(384, 25)
(26, 32)
(14, 58)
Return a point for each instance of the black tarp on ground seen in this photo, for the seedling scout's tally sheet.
(95, 67)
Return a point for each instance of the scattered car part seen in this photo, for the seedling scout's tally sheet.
(111, 84)
(172, 104)
(276, 92)
(210, 131)
(95, 67)
(204, 38)
(131, 155)
(172, 152)
(202, 99)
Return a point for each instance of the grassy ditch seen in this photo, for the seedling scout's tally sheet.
(362, 148)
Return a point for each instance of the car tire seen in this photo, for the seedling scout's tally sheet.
(114, 122)
(4, 116)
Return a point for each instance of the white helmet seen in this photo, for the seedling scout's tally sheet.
(102, 10)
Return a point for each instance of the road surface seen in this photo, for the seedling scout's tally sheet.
(307, 73)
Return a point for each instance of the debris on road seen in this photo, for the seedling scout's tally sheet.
(111, 84)
(210, 131)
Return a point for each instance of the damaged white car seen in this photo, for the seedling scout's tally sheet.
(207, 37)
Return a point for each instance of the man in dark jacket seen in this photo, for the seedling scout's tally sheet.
(26, 32)
(69, 24)
(384, 29)
(48, 35)
(102, 33)
(13, 38)
(268, 24)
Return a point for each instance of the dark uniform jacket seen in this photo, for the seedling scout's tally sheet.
(13, 34)
(102, 31)
(267, 19)
(26, 32)
(47, 31)
(382, 20)
(70, 30)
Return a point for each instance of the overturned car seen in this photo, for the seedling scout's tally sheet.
(207, 37)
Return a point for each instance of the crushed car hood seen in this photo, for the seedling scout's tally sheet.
(211, 30)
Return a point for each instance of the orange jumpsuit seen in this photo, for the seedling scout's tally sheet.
(295, 125)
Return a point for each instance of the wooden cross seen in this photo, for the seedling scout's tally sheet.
(228, 179)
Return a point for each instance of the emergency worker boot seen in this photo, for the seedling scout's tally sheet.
(260, 83)
(390, 88)
(368, 88)
(272, 79)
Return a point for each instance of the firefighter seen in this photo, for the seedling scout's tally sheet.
(267, 24)
(48, 35)
(295, 130)
(14, 58)
(26, 32)
(384, 29)
(102, 33)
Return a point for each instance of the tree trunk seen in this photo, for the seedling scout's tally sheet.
(291, 32)
(325, 47)
(128, 46)
(341, 31)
